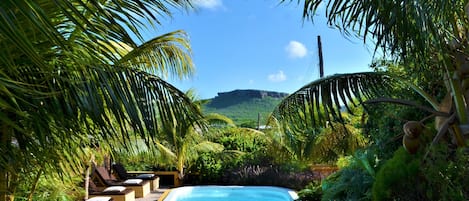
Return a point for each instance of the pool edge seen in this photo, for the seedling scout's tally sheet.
(164, 195)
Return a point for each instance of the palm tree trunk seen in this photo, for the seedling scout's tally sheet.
(87, 181)
(180, 163)
(87, 175)
(36, 181)
(5, 141)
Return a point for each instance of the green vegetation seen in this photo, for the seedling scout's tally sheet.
(76, 89)
(403, 184)
(425, 68)
(73, 78)
(243, 111)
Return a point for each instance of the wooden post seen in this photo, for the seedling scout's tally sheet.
(321, 61)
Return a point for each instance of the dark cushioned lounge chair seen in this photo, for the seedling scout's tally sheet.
(115, 193)
(123, 175)
(103, 178)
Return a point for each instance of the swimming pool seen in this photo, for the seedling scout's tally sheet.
(230, 193)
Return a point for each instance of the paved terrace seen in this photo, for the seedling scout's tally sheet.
(154, 195)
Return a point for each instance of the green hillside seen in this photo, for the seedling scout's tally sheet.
(244, 106)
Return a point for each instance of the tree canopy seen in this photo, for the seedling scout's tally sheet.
(70, 69)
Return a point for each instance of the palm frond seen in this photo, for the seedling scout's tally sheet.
(163, 55)
(166, 152)
(62, 86)
(207, 146)
(402, 28)
(63, 25)
(218, 119)
(147, 101)
(322, 101)
(97, 105)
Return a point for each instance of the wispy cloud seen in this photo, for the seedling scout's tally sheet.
(296, 49)
(277, 77)
(209, 4)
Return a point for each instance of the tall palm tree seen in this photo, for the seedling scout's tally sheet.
(423, 36)
(69, 68)
(183, 138)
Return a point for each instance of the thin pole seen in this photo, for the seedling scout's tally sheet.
(258, 121)
(321, 62)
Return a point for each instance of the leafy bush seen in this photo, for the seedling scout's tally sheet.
(354, 179)
(348, 184)
(208, 169)
(274, 175)
(312, 192)
(51, 187)
(445, 175)
(242, 147)
(398, 178)
(441, 176)
(244, 170)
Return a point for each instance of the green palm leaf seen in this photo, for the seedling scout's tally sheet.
(66, 83)
(404, 28)
(163, 55)
(218, 119)
(322, 101)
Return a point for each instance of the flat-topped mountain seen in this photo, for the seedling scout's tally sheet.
(245, 105)
(225, 99)
(251, 93)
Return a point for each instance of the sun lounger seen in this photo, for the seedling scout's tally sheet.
(124, 175)
(100, 198)
(103, 178)
(114, 193)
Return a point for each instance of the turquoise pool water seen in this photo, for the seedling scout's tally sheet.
(231, 193)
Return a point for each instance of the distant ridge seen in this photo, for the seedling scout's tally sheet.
(245, 105)
(225, 99)
(252, 93)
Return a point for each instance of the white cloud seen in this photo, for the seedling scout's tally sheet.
(296, 49)
(277, 77)
(210, 4)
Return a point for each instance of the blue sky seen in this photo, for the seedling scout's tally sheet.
(259, 44)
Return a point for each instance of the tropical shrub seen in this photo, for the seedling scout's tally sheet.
(50, 187)
(208, 169)
(347, 184)
(445, 175)
(242, 146)
(246, 161)
(415, 177)
(398, 178)
(354, 179)
(311, 192)
(273, 175)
